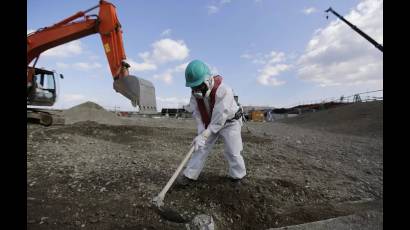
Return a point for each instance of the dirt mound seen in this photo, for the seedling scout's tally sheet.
(362, 119)
(90, 111)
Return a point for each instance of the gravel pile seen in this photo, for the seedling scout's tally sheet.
(360, 119)
(90, 111)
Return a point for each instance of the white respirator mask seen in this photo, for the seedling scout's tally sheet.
(209, 84)
(198, 95)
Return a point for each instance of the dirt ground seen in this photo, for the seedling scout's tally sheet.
(98, 176)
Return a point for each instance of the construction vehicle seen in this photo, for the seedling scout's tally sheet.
(41, 83)
(367, 37)
(257, 115)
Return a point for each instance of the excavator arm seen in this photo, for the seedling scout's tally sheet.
(140, 92)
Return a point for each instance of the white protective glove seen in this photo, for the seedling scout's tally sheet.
(200, 140)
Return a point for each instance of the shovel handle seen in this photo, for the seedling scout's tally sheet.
(171, 181)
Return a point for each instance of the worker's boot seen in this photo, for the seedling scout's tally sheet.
(182, 180)
(236, 182)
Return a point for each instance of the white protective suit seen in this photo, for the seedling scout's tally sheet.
(224, 109)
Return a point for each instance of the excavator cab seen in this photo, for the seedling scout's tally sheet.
(41, 88)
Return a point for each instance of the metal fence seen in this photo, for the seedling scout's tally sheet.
(376, 95)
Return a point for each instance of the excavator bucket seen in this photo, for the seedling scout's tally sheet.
(141, 92)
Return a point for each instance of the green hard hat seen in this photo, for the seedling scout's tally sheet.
(195, 73)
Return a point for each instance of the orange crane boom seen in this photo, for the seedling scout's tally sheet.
(106, 24)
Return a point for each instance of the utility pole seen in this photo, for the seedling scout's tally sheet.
(367, 37)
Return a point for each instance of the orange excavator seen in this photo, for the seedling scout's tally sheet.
(41, 83)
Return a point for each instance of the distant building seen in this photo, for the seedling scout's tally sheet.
(249, 108)
(173, 112)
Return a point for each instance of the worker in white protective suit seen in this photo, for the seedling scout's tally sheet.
(217, 114)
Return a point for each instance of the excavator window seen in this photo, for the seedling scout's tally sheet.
(43, 92)
(45, 81)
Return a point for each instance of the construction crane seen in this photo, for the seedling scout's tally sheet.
(41, 83)
(367, 37)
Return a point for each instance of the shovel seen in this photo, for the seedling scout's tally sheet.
(158, 201)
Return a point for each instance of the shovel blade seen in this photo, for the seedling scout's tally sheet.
(165, 212)
(170, 215)
(139, 91)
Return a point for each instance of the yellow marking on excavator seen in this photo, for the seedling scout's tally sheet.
(107, 47)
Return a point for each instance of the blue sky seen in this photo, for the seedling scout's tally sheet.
(271, 52)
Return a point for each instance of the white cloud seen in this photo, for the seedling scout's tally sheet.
(309, 10)
(246, 56)
(165, 77)
(139, 67)
(213, 9)
(30, 31)
(167, 50)
(273, 65)
(181, 68)
(270, 58)
(67, 50)
(268, 73)
(258, 61)
(251, 56)
(82, 66)
(163, 51)
(168, 75)
(86, 65)
(292, 56)
(166, 32)
(275, 57)
(144, 55)
(337, 55)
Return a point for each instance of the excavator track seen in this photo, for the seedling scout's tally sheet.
(46, 118)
